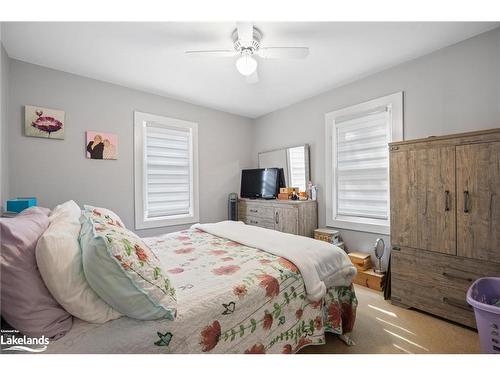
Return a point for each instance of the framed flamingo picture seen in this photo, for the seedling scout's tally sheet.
(43, 122)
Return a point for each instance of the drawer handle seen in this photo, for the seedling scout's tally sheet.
(452, 276)
(446, 200)
(396, 248)
(254, 222)
(456, 303)
(466, 201)
(254, 210)
(277, 218)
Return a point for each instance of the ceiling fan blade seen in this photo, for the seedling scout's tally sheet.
(245, 33)
(252, 78)
(283, 52)
(212, 53)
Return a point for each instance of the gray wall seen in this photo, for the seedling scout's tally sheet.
(452, 90)
(4, 86)
(455, 89)
(57, 170)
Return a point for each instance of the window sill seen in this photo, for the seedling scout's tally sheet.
(161, 222)
(361, 226)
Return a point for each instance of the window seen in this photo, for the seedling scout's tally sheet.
(357, 165)
(166, 171)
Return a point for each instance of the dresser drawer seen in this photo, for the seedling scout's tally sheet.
(258, 221)
(255, 209)
(295, 217)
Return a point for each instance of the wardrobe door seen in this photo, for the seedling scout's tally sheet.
(478, 201)
(435, 194)
(403, 198)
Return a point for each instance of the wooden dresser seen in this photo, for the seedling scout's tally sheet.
(296, 217)
(445, 220)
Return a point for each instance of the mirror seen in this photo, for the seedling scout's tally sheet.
(293, 160)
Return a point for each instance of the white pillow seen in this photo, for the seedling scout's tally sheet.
(59, 259)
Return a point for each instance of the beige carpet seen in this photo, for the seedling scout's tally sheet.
(384, 328)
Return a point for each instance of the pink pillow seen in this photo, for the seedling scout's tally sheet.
(27, 305)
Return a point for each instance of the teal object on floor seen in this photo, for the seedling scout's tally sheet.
(20, 204)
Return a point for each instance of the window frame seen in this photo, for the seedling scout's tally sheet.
(393, 103)
(141, 222)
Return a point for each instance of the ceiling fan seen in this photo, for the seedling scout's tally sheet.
(246, 41)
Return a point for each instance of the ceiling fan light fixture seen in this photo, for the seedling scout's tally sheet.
(246, 64)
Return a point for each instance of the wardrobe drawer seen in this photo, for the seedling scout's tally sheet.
(437, 283)
(451, 271)
(433, 299)
(255, 209)
(258, 221)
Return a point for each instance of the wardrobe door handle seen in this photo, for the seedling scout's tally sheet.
(466, 201)
(277, 218)
(459, 277)
(446, 200)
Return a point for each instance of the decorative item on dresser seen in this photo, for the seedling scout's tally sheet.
(296, 217)
(445, 220)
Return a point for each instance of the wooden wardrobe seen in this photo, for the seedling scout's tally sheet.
(445, 220)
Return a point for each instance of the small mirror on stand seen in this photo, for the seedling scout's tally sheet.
(379, 252)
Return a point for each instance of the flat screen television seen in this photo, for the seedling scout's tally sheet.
(261, 183)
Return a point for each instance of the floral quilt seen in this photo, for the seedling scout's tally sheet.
(231, 299)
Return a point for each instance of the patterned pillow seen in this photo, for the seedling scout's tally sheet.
(122, 269)
(103, 213)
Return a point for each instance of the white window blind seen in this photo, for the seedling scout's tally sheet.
(363, 166)
(297, 165)
(168, 165)
(166, 171)
(357, 163)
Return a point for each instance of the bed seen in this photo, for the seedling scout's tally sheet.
(231, 298)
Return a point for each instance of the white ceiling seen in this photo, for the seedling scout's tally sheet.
(150, 56)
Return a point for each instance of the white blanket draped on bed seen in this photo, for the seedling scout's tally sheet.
(321, 264)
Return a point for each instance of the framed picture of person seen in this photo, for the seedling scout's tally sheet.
(101, 145)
